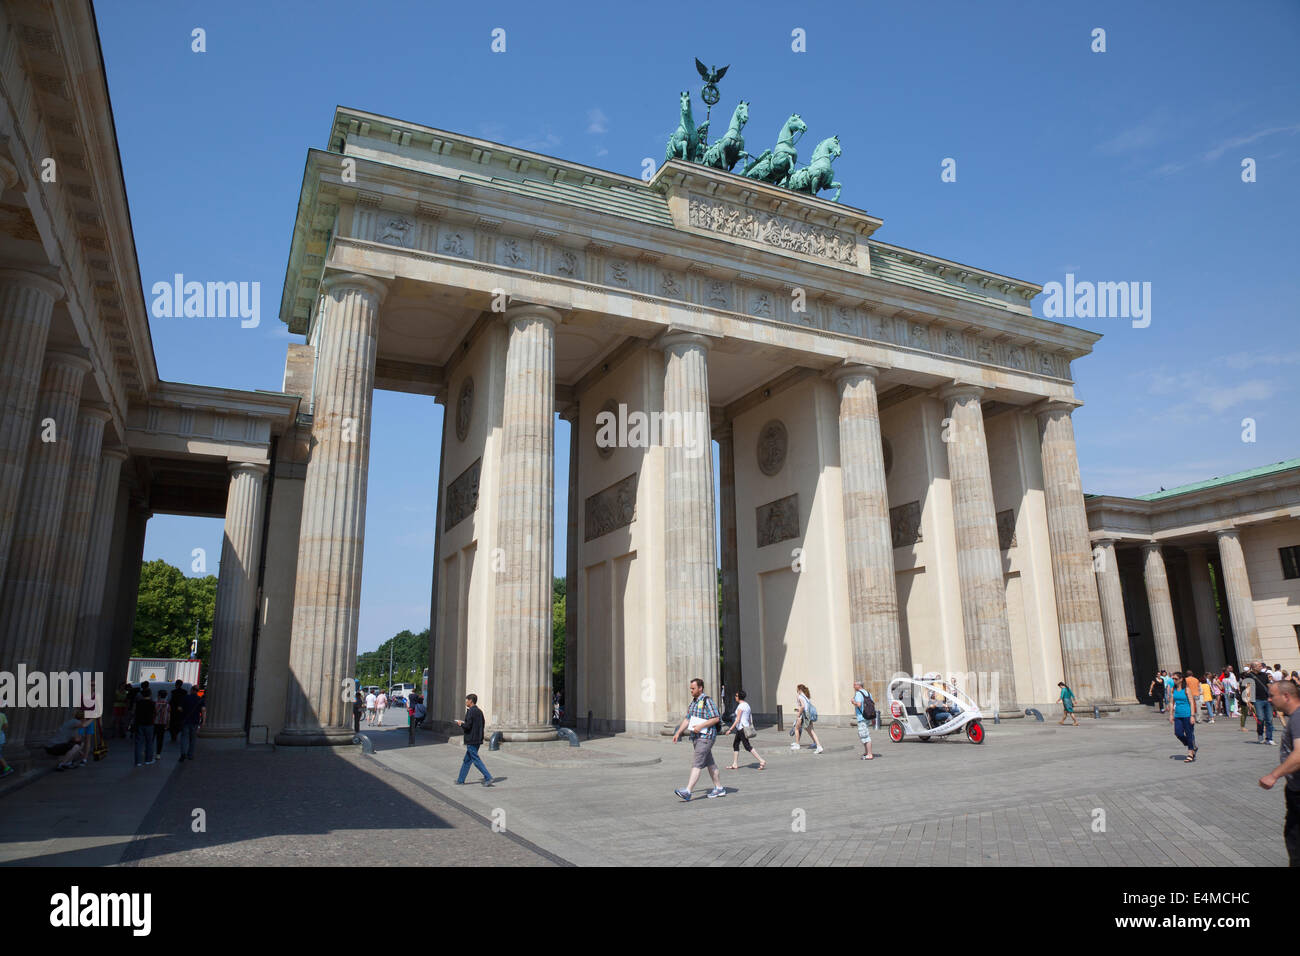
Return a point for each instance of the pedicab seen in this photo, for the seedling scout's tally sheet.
(944, 710)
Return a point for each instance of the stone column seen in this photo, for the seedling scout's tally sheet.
(26, 304)
(1207, 615)
(433, 704)
(571, 573)
(90, 604)
(232, 621)
(1245, 632)
(979, 560)
(690, 571)
(1161, 607)
(1078, 606)
(25, 594)
(70, 556)
(327, 587)
(868, 541)
(128, 590)
(521, 671)
(1115, 625)
(733, 673)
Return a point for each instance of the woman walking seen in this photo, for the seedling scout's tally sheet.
(1182, 714)
(741, 729)
(1067, 704)
(805, 717)
(1157, 691)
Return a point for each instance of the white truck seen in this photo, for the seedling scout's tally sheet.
(162, 670)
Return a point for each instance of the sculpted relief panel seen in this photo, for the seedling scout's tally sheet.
(610, 509)
(905, 524)
(462, 496)
(778, 520)
(773, 230)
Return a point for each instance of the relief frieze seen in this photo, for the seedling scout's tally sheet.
(610, 509)
(770, 229)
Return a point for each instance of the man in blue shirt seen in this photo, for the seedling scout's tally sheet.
(701, 721)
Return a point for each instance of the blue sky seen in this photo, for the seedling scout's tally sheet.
(1115, 166)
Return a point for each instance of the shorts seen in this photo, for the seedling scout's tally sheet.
(864, 731)
(703, 753)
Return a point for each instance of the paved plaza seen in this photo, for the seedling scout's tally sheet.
(1028, 796)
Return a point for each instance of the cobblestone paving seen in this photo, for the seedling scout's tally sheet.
(1033, 794)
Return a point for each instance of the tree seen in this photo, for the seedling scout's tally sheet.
(410, 657)
(559, 605)
(169, 604)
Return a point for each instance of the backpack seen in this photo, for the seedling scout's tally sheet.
(812, 712)
(868, 708)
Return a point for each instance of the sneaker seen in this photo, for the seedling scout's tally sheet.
(149, 763)
(489, 783)
(138, 765)
(717, 792)
(794, 746)
(818, 750)
(1271, 743)
(684, 794)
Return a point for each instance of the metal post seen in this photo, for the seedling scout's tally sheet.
(780, 722)
(588, 725)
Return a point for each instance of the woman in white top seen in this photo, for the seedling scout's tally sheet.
(744, 720)
(804, 718)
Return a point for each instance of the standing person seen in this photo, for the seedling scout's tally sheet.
(176, 703)
(741, 729)
(1284, 696)
(865, 713)
(381, 704)
(358, 708)
(1067, 704)
(162, 713)
(1216, 689)
(370, 707)
(5, 769)
(1247, 693)
(1182, 714)
(1157, 690)
(144, 755)
(701, 721)
(1207, 697)
(191, 721)
(805, 717)
(415, 713)
(1231, 690)
(1193, 686)
(1263, 707)
(473, 725)
(119, 711)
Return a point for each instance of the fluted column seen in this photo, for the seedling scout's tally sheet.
(571, 597)
(26, 304)
(690, 571)
(90, 605)
(70, 554)
(868, 542)
(327, 587)
(25, 594)
(979, 560)
(1161, 607)
(521, 671)
(439, 710)
(1245, 632)
(1115, 626)
(127, 599)
(1078, 606)
(733, 672)
(232, 621)
(1207, 616)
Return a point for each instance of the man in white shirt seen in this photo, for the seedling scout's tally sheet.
(370, 707)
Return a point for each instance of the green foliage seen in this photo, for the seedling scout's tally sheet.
(169, 605)
(559, 603)
(410, 658)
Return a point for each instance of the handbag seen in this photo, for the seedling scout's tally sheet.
(749, 731)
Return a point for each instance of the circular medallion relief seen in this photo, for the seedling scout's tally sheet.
(772, 444)
(606, 436)
(889, 455)
(464, 406)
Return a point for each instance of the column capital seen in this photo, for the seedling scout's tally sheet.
(570, 413)
(959, 390)
(249, 467)
(95, 410)
(723, 431)
(852, 370)
(70, 358)
(375, 285)
(672, 338)
(531, 310)
(1230, 532)
(1103, 542)
(9, 177)
(1050, 406)
(49, 286)
(121, 454)
(1148, 546)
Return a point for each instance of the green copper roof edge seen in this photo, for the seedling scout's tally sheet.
(1274, 468)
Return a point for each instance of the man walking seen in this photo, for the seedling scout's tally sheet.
(473, 725)
(144, 711)
(370, 707)
(1286, 698)
(1263, 705)
(860, 707)
(191, 721)
(701, 721)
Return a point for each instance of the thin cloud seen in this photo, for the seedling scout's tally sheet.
(597, 121)
(1236, 141)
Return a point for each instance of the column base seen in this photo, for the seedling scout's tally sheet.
(532, 734)
(1010, 714)
(221, 731)
(667, 730)
(315, 737)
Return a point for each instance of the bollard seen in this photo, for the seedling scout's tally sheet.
(588, 725)
(367, 746)
(780, 724)
(996, 718)
(565, 733)
(1035, 713)
(495, 742)
(1096, 712)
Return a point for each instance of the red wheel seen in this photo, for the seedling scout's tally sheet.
(975, 731)
(896, 732)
